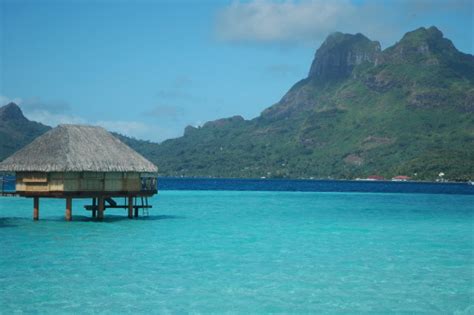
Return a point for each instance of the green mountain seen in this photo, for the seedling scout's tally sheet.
(406, 110)
(16, 130)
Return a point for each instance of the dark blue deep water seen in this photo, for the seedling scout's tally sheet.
(167, 183)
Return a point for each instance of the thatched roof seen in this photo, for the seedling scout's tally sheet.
(76, 148)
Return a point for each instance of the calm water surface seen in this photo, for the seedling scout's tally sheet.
(243, 252)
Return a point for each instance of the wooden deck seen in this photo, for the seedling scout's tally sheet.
(133, 201)
(87, 194)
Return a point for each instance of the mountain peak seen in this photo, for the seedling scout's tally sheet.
(421, 43)
(423, 33)
(340, 53)
(11, 111)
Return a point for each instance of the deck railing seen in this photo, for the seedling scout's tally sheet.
(149, 183)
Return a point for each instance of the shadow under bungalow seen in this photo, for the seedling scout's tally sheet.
(75, 161)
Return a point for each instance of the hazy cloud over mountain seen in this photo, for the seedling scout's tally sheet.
(265, 21)
(4, 100)
(165, 112)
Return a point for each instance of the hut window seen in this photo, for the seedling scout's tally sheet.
(35, 178)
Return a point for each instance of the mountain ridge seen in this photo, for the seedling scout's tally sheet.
(16, 130)
(361, 111)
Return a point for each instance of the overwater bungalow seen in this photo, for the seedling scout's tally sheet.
(76, 161)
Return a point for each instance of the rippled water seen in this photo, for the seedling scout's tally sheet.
(243, 252)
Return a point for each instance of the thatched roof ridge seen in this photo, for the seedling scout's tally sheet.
(77, 148)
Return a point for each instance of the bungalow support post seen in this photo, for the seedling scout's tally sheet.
(35, 208)
(68, 209)
(100, 214)
(136, 210)
(130, 207)
(94, 207)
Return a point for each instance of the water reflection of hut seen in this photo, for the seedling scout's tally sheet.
(73, 161)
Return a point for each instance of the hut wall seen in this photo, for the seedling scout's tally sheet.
(132, 182)
(78, 182)
(34, 182)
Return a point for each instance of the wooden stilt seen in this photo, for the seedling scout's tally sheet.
(136, 208)
(130, 207)
(68, 209)
(100, 214)
(35, 208)
(94, 209)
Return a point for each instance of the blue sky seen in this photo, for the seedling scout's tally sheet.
(150, 68)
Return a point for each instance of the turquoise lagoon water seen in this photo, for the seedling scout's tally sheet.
(243, 252)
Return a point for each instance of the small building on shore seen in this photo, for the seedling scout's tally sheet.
(375, 177)
(76, 161)
(401, 178)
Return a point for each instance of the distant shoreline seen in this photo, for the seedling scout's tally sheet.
(318, 179)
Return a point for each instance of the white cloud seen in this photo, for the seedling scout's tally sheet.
(134, 129)
(37, 104)
(293, 21)
(197, 124)
(153, 132)
(47, 114)
(267, 21)
(4, 100)
(165, 112)
(47, 118)
(129, 128)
